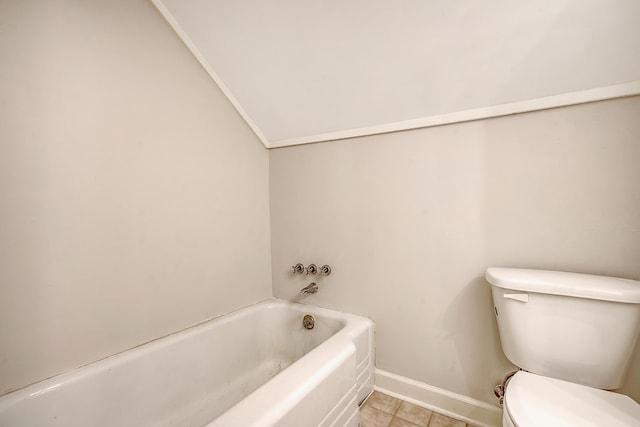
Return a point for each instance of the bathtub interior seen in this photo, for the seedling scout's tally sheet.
(188, 378)
(281, 338)
(323, 388)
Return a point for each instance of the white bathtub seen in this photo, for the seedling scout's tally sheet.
(257, 366)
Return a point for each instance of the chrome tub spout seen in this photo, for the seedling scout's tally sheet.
(311, 288)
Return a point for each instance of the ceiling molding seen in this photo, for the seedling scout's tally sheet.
(209, 69)
(530, 105)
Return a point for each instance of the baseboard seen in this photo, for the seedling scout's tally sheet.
(454, 405)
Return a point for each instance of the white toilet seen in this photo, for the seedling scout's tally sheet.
(573, 336)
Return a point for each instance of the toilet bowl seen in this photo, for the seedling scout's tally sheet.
(572, 335)
(535, 400)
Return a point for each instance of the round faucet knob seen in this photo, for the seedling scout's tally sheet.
(325, 270)
(312, 269)
(298, 268)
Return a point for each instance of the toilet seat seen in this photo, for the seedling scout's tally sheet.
(533, 400)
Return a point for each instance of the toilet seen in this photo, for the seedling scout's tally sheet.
(572, 335)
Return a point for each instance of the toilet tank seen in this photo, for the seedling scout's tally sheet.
(575, 327)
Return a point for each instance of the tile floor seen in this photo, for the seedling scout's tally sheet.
(381, 410)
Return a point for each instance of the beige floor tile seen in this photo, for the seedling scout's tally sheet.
(383, 402)
(399, 422)
(372, 417)
(439, 420)
(414, 413)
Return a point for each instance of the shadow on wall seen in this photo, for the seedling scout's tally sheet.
(472, 310)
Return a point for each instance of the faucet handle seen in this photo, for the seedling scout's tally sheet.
(312, 269)
(325, 270)
(298, 268)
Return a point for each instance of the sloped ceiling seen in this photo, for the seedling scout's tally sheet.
(306, 71)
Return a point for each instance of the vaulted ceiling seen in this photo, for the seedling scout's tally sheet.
(303, 71)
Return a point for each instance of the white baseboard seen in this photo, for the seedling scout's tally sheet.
(454, 405)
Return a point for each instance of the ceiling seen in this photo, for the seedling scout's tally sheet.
(307, 71)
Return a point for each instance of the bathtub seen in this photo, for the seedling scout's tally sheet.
(257, 366)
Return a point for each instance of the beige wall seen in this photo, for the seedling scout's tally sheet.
(410, 221)
(133, 199)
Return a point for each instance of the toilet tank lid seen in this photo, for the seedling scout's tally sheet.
(568, 284)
